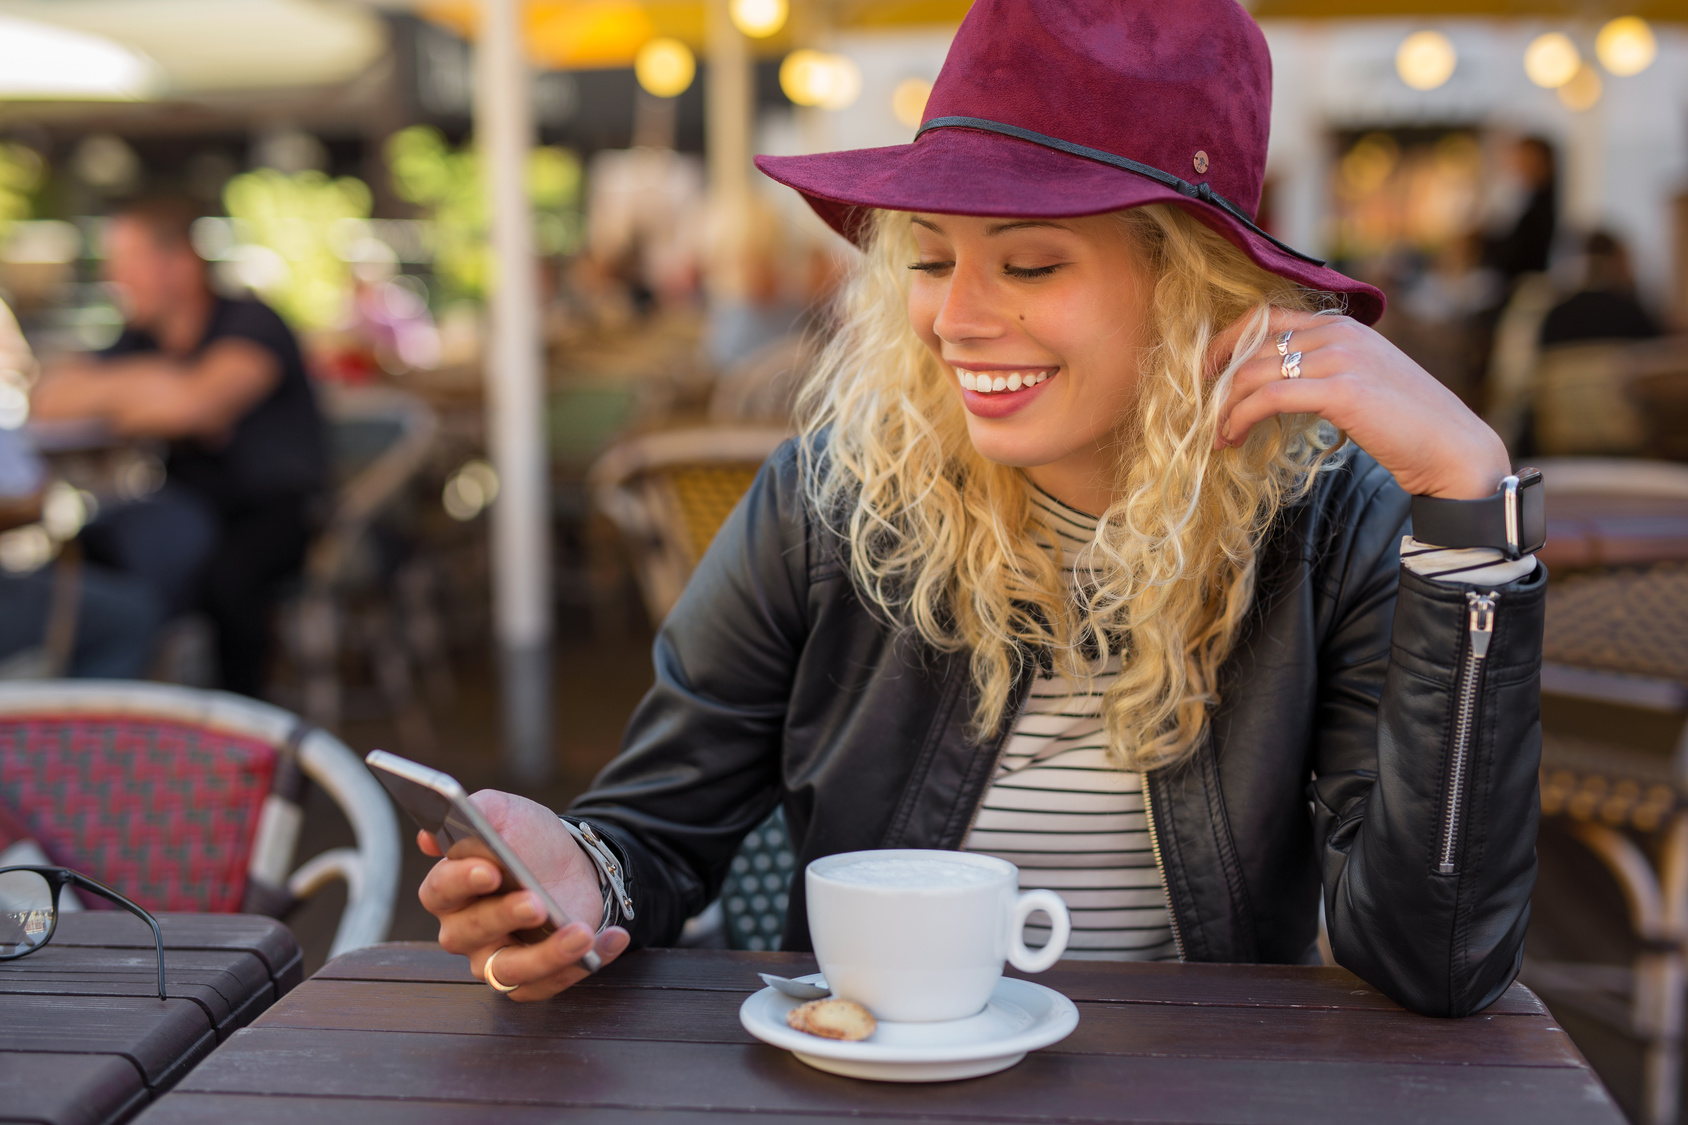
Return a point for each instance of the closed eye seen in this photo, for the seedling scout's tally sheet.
(931, 267)
(1026, 273)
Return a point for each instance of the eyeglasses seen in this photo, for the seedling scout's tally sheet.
(29, 910)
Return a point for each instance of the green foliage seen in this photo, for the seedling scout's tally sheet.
(297, 219)
(431, 174)
(22, 172)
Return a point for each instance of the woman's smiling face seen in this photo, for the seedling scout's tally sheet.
(1052, 313)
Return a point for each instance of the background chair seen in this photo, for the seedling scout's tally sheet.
(757, 889)
(1609, 397)
(1616, 647)
(185, 799)
(351, 599)
(669, 492)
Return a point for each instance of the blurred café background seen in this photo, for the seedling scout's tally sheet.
(554, 321)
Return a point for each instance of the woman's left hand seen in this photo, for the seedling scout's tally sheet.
(1365, 386)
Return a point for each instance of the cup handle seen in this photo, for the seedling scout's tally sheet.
(1061, 928)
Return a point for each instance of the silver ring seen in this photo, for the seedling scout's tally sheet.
(493, 982)
(1283, 341)
(1291, 366)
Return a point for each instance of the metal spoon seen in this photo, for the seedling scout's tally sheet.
(797, 989)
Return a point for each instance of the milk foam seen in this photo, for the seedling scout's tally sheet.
(937, 874)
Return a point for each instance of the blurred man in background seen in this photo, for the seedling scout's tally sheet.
(1605, 307)
(223, 381)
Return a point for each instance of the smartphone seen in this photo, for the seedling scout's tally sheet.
(442, 808)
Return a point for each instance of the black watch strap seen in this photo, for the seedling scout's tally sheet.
(1512, 520)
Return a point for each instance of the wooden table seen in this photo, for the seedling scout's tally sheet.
(84, 1038)
(1590, 531)
(402, 1035)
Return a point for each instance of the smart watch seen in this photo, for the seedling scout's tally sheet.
(1513, 520)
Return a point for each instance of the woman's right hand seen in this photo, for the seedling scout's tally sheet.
(477, 921)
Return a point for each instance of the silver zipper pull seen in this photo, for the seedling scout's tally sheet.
(1482, 627)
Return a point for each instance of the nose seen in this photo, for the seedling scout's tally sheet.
(970, 310)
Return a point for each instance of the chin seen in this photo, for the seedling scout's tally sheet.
(1003, 445)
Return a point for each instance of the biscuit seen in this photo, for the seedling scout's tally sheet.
(832, 1019)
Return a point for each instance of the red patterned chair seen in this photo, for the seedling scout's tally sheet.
(189, 800)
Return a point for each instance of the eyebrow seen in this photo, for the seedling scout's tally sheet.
(997, 228)
(1023, 224)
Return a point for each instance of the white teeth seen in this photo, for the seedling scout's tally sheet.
(983, 383)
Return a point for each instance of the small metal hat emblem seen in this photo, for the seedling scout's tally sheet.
(1201, 162)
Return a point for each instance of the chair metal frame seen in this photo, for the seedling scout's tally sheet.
(370, 870)
(317, 630)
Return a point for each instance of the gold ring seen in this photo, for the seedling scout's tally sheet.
(493, 982)
(1283, 341)
(1291, 366)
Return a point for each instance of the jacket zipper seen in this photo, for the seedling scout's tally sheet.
(1480, 629)
(1160, 866)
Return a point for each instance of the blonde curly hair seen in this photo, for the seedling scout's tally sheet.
(946, 543)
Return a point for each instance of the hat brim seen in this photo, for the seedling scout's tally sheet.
(958, 171)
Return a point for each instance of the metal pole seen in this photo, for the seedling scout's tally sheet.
(515, 396)
(728, 107)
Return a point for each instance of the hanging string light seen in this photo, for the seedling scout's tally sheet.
(817, 78)
(1582, 92)
(908, 101)
(759, 18)
(665, 67)
(1551, 60)
(1626, 46)
(1426, 59)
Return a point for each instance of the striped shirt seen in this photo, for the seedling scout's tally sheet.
(1061, 811)
(1074, 822)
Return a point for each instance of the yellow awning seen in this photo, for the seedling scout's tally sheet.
(604, 33)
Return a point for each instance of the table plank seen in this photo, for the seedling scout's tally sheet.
(1271, 986)
(83, 1030)
(226, 983)
(257, 1109)
(68, 1089)
(163, 1038)
(711, 1016)
(265, 938)
(760, 1079)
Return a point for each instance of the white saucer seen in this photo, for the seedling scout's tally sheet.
(1020, 1017)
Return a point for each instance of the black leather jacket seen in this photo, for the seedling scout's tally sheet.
(1358, 746)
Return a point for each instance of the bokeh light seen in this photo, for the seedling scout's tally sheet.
(908, 101)
(760, 18)
(665, 67)
(1582, 92)
(1626, 46)
(1551, 60)
(470, 491)
(1426, 59)
(816, 78)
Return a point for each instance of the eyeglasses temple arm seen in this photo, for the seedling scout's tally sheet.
(138, 911)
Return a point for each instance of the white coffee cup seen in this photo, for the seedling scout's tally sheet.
(916, 936)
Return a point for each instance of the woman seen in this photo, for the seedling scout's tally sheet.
(1065, 565)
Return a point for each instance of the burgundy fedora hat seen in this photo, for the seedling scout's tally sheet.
(1051, 108)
